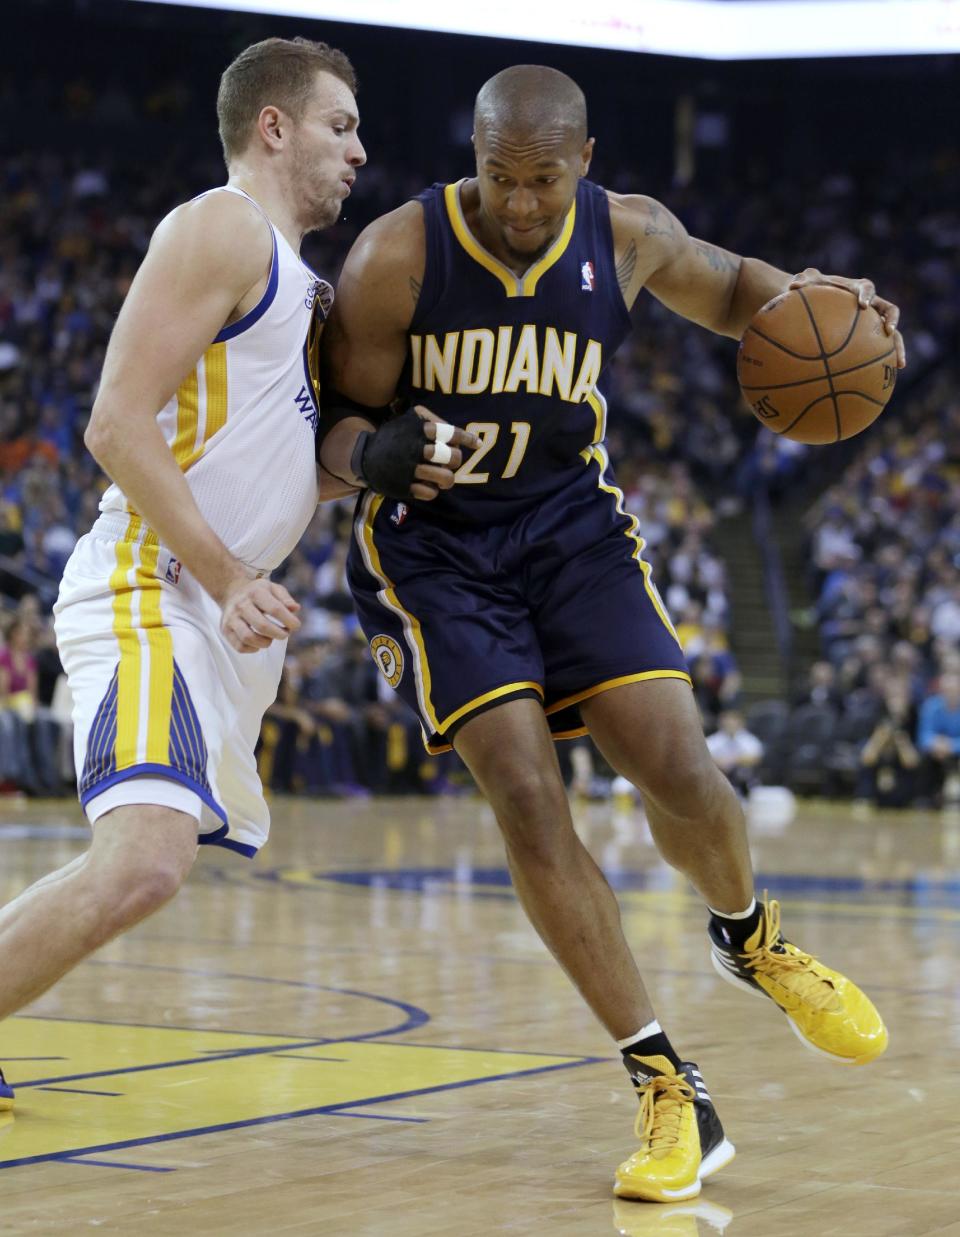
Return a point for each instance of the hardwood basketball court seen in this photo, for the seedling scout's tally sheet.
(358, 1033)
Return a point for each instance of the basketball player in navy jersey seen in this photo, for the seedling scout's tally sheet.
(517, 608)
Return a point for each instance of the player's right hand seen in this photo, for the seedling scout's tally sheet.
(442, 456)
(257, 612)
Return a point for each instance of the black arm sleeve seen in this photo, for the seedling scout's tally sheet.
(337, 408)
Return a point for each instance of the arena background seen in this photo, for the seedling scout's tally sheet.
(773, 559)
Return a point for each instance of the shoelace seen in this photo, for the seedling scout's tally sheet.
(794, 971)
(661, 1107)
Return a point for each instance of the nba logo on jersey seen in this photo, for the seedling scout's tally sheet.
(399, 514)
(587, 277)
(172, 574)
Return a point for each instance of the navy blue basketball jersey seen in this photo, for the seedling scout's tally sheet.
(516, 359)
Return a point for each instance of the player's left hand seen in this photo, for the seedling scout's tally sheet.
(866, 294)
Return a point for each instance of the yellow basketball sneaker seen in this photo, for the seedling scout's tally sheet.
(827, 1011)
(681, 1138)
(6, 1094)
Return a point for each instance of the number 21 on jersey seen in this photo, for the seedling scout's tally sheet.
(488, 432)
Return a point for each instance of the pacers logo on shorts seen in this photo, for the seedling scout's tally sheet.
(386, 653)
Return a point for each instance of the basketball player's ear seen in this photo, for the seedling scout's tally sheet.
(270, 125)
(586, 155)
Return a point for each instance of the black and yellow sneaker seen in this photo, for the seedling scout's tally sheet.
(6, 1094)
(681, 1138)
(827, 1011)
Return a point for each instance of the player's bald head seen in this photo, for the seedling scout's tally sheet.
(531, 101)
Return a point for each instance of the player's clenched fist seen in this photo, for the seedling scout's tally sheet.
(415, 455)
(257, 612)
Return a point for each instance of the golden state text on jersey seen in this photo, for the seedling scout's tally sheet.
(517, 359)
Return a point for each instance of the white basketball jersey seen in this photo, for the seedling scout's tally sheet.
(242, 424)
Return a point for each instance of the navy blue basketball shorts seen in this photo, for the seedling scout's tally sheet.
(557, 604)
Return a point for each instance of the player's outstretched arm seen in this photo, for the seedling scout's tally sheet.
(709, 285)
(364, 350)
(206, 259)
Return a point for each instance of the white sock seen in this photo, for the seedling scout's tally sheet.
(735, 914)
(652, 1028)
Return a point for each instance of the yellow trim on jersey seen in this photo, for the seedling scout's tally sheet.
(186, 449)
(128, 670)
(485, 699)
(412, 625)
(609, 684)
(513, 285)
(215, 368)
(599, 454)
(188, 412)
(160, 646)
(553, 254)
(595, 400)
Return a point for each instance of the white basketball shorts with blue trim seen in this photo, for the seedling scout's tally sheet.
(164, 711)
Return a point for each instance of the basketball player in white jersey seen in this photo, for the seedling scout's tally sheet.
(170, 630)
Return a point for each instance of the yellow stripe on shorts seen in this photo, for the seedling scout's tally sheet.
(160, 646)
(128, 671)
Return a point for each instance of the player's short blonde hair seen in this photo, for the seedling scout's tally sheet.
(277, 72)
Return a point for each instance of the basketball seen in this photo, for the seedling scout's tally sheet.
(816, 367)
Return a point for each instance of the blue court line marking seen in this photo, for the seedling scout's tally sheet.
(415, 1016)
(77, 1090)
(140, 1168)
(6, 1058)
(289, 1116)
(149, 1026)
(506, 1052)
(372, 1116)
(146, 1069)
(300, 1056)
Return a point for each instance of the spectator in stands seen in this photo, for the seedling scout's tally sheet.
(889, 760)
(18, 670)
(821, 687)
(287, 732)
(938, 737)
(735, 751)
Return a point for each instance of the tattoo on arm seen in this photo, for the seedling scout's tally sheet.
(717, 259)
(660, 222)
(415, 286)
(626, 266)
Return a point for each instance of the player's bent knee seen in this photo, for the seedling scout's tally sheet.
(131, 892)
(138, 861)
(692, 788)
(523, 797)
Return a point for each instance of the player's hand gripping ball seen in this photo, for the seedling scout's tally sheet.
(816, 365)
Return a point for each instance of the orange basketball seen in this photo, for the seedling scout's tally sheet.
(814, 366)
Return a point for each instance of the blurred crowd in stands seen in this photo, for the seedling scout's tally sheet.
(881, 711)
